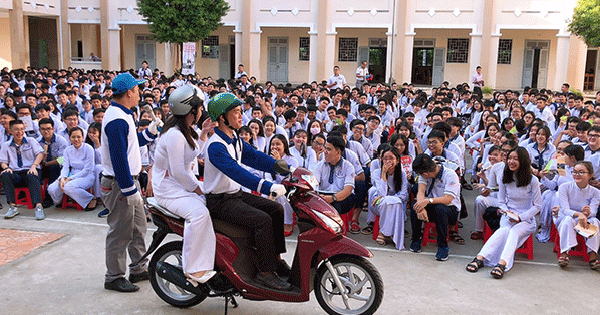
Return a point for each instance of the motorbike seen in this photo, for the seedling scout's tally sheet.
(325, 260)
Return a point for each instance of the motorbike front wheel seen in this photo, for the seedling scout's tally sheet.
(167, 291)
(361, 281)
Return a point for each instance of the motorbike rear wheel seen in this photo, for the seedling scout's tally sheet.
(167, 291)
(362, 283)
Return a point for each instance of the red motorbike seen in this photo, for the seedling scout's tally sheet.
(325, 261)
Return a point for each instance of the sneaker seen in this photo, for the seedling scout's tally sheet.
(415, 246)
(442, 253)
(103, 213)
(12, 212)
(39, 213)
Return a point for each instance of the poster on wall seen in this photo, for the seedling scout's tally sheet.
(188, 58)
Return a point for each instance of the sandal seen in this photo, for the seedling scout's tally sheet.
(477, 235)
(474, 265)
(381, 240)
(367, 230)
(595, 264)
(498, 271)
(459, 224)
(92, 205)
(354, 227)
(563, 261)
(287, 232)
(454, 237)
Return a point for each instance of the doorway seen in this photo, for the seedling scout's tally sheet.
(145, 49)
(43, 42)
(535, 64)
(591, 68)
(422, 69)
(278, 60)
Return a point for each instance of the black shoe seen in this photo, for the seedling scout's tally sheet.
(283, 269)
(272, 281)
(103, 213)
(121, 285)
(137, 277)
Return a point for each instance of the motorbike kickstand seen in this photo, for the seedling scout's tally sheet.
(229, 298)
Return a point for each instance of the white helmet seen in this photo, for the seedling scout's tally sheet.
(185, 98)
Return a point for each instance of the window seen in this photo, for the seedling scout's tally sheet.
(504, 51)
(304, 50)
(458, 50)
(210, 47)
(347, 50)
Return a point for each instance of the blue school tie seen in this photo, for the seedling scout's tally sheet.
(19, 158)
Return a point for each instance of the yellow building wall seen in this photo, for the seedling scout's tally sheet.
(211, 66)
(128, 37)
(348, 68)
(5, 49)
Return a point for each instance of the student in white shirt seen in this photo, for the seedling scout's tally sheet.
(578, 203)
(77, 173)
(542, 150)
(437, 201)
(336, 176)
(519, 197)
(305, 156)
(388, 200)
(337, 80)
(257, 139)
(176, 187)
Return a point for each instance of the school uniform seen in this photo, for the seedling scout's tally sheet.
(526, 202)
(571, 200)
(391, 208)
(78, 166)
(53, 149)
(549, 200)
(174, 182)
(445, 183)
(540, 156)
(333, 179)
(288, 212)
(20, 158)
(494, 177)
(307, 160)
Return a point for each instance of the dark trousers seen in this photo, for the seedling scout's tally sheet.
(260, 215)
(21, 179)
(52, 173)
(345, 205)
(442, 215)
(360, 193)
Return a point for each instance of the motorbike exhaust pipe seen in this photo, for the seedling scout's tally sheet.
(176, 276)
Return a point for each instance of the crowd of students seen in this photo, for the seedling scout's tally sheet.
(395, 151)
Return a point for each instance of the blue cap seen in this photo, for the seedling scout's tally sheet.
(125, 82)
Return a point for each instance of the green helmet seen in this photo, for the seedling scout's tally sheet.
(221, 104)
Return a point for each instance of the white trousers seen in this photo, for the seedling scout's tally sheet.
(373, 193)
(482, 203)
(288, 212)
(199, 239)
(549, 200)
(568, 236)
(503, 244)
(391, 212)
(75, 188)
(97, 171)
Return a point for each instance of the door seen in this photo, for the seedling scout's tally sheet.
(278, 60)
(422, 68)
(528, 68)
(224, 61)
(377, 63)
(145, 49)
(438, 67)
(542, 80)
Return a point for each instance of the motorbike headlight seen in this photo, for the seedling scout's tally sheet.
(331, 224)
(311, 180)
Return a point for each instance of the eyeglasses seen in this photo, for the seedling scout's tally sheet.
(45, 129)
(318, 144)
(593, 135)
(579, 173)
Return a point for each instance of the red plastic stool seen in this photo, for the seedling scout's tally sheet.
(346, 219)
(376, 228)
(429, 230)
(25, 200)
(579, 250)
(527, 248)
(553, 233)
(68, 202)
(487, 232)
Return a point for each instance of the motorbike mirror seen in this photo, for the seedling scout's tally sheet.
(281, 168)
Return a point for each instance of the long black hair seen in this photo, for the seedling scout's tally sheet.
(523, 173)
(398, 171)
(188, 131)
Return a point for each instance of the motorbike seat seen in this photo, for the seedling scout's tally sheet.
(153, 203)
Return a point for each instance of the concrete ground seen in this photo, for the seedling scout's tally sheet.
(66, 277)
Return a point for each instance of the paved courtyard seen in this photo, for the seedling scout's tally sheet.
(64, 275)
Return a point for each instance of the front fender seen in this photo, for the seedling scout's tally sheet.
(344, 246)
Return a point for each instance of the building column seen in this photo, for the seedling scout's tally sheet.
(492, 62)
(110, 35)
(168, 59)
(563, 44)
(314, 56)
(474, 55)
(238, 46)
(64, 36)
(250, 54)
(389, 58)
(329, 57)
(409, 42)
(17, 35)
(326, 43)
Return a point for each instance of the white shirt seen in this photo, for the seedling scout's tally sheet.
(309, 161)
(525, 201)
(343, 175)
(78, 163)
(445, 183)
(572, 199)
(363, 72)
(338, 81)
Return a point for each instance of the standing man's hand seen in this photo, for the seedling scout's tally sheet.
(135, 200)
